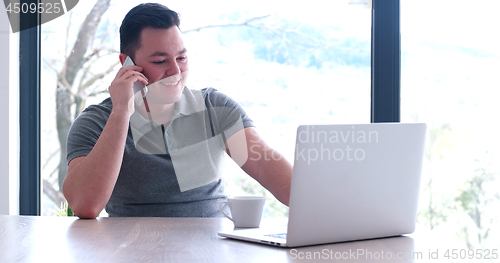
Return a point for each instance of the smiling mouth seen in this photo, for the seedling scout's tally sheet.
(169, 84)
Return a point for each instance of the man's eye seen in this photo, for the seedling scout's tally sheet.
(158, 62)
(182, 58)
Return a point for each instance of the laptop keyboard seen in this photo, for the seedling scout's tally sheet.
(283, 235)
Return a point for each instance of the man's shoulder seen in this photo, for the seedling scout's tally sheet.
(215, 97)
(104, 105)
(206, 92)
(103, 109)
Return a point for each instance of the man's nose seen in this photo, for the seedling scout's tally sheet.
(173, 69)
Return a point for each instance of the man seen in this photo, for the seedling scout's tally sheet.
(110, 161)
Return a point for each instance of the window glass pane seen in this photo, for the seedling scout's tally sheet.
(450, 65)
(287, 63)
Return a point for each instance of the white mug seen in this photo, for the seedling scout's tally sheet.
(246, 211)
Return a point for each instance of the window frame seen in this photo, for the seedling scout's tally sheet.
(386, 61)
(29, 114)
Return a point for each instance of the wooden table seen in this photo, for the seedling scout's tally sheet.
(68, 239)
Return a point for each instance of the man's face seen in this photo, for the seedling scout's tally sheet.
(163, 57)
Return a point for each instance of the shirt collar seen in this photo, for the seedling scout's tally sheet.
(191, 101)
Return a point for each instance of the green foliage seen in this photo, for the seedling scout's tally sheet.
(69, 212)
(477, 203)
(471, 206)
(439, 141)
(437, 206)
(64, 210)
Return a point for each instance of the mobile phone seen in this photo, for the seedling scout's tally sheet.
(138, 86)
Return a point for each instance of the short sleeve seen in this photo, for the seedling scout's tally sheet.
(227, 115)
(85, 131)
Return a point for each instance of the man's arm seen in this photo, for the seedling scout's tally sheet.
(90, 179)
(261, 162)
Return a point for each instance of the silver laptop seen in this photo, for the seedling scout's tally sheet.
(350, 182)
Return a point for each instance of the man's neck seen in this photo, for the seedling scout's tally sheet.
(161, 113)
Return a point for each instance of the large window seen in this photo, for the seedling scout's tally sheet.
(303, 64)
(449, 79)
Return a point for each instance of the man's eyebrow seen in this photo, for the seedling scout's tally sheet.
(165, 54)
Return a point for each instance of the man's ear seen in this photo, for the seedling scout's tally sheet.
(122, 57)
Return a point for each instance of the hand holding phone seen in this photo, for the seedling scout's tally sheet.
(138, 86)
(121, 91)
(140, 91)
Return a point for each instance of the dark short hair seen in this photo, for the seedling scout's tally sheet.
(144, 15)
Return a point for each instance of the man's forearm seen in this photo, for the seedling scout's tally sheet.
(263, 163)
(90, 182)
(276, 176)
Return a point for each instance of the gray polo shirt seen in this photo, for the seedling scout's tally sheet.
(173, 170)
